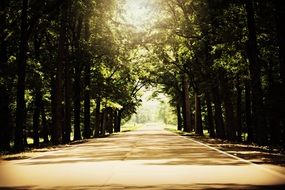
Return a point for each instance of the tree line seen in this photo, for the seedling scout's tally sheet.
(73, 69)
(223, 66)
(62, 75)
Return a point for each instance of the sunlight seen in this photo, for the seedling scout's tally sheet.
(154, 108)
(139, 13)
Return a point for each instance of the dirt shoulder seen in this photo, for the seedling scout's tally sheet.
(255, 154)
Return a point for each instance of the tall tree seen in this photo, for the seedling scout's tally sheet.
(187, 114)
(21, 73)
(87, 127)
(59, 95)
(255, 74)
(4, 92)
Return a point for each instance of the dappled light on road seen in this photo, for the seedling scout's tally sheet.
(148, 158)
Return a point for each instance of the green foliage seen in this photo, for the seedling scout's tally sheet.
(128, 50)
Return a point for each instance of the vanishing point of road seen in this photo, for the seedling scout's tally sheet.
(150, 158)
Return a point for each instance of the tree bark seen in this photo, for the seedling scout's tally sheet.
(87, 127)
(3, 35)
(38, 94)
(5, 123)
(239, 110)
(103, 122)
(120, 119)
(186, 104)
(4, 119)
(36, 117)
(255, 74)
(97, 118)
(110, 119)
(21, 82)
(77, 81)
(53, 105)
(219, 121)
(59, 95)
(179, 118)
(210, 118)
(44, 124)
(273, 101)
(248, 118)
(116, 120)
(198, 116)
(280, 17)
(67, 98)
(230, 120)
(77, 97)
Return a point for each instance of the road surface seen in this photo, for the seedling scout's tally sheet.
(149, 158)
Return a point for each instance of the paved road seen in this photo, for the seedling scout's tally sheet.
(149, 158)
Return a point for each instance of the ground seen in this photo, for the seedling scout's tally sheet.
(148, 158)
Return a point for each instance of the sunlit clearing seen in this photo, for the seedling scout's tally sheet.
(139, 13)
(155, 108)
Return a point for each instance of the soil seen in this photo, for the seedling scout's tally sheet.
(254, 153)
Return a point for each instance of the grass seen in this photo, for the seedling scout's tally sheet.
(130, 126)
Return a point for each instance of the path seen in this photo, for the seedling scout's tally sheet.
(149, 158)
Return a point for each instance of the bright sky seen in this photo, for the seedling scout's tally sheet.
(139, 13)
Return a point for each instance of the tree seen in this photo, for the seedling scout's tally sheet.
(21, 73)
(255, 74)
(5, 126)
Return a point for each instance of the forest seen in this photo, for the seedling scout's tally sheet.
(73, 69)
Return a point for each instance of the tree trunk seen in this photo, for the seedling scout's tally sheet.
(5, 111)
(248, 117)
(110, 119)
(179, 118)
(120, 119)
(53, 105)
(103, 122)
(280, 17)
(21, 73)
(239, 111)
(97, 118)
(198, 116)
(186, 104)
(116, 120)
(77, 97)
(44, 124)
(67, 99)
(4, 119)
(273, 101)
(36, 117)
(77, 81)
(37, 91)
(229, 109)
(87, 127)
(210, 118)
(219, 122)
(255, 74)
(59, 96)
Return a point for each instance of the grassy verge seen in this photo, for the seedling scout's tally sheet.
(130, 126)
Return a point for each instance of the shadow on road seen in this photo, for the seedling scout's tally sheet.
(147, 159)
(151, 147)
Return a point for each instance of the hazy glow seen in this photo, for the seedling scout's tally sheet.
(138, 13)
